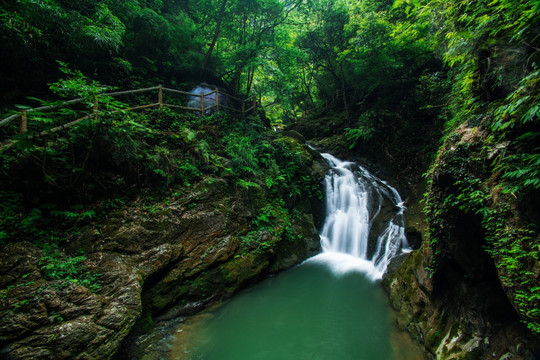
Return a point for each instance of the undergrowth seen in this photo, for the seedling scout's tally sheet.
(52, 187)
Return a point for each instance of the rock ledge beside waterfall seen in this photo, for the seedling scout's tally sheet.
(452, 295)
(155, 263)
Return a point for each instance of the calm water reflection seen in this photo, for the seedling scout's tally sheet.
(309, 312)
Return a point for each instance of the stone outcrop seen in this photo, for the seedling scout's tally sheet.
(56, 320)
(451, 293)
(175, 256)
(466, 319)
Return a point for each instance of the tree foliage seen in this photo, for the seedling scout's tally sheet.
(383, 77)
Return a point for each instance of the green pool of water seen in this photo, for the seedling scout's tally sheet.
(318, 310)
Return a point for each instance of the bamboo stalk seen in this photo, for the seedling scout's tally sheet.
(178, 91)
(232, 97)
(69, 124)
(141, 107)
(230, 108)
(50, 107)
(9, 118)
(132, 91)
(182, 107)
(24, 117)
(61, 127)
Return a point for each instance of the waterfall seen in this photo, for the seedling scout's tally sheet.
(355, 201)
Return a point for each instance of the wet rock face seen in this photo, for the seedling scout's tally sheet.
(465, 319)
(414, 237)
(448, 293)
(57, 320)
(172, 260)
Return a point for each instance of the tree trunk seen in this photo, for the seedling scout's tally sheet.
(345, 105)
(216, 36)
(250, 77)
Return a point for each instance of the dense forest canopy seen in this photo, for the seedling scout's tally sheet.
(296, 54)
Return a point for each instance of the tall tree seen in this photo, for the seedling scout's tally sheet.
(216, 34)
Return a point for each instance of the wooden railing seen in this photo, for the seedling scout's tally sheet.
(246, 106)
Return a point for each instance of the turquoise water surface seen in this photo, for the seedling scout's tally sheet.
(325, 308)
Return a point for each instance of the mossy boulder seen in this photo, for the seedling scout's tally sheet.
(43, 319)
(448, 293)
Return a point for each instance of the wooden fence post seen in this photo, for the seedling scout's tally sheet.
(202, 103)
(95, 109)
(160, 96)
(251, 104)
(23, 123)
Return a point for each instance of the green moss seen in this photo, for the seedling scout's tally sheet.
(297, 148)
(461, 183)
(242, 267)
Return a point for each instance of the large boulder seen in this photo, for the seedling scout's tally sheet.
(178, 255)
(43, 319)
(457, 295)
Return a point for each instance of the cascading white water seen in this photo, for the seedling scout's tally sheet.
(354, 199)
